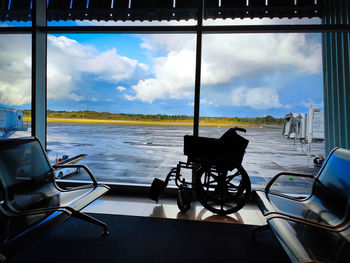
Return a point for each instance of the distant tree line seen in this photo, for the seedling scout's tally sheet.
(156, 117)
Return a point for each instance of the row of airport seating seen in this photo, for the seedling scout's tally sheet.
(31, 202)
(315, 228)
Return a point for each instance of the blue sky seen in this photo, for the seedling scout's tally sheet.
(242, 75)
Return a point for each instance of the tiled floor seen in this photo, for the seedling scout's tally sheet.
(167, 208)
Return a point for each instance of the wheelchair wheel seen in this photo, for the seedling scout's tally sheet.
(184, 198)
(221, 191)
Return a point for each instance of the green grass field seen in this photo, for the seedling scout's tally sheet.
(136, 122)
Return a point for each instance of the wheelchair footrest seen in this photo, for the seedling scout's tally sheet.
(157, 188)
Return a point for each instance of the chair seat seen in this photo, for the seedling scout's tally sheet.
(315, 228)
(308, 209)
(31, 202)
(76, 199)
(305, 243)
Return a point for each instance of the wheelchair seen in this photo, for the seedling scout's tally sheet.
(219, 181)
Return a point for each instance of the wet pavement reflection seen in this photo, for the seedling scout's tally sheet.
(138, 154)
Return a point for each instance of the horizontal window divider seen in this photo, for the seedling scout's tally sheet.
(234, 29)
(16, 30)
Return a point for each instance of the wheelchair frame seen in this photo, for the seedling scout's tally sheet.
(210, 161)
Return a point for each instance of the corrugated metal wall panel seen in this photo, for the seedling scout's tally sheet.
(336, 64)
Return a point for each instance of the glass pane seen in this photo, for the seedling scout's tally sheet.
(15, 85)
(125, 101)
(255, 82)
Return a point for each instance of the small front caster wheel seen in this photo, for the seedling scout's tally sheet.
(184, 198)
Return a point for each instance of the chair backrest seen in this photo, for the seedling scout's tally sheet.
(332, 184)
(25, 172)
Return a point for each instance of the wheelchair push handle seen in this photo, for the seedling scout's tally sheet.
(239, 129)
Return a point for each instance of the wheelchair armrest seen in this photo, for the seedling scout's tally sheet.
(269, 184)
(95, 183)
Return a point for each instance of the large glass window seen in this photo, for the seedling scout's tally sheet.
(124, 100)
(15, 85)
(259, 82)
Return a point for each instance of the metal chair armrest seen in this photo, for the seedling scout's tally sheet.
(344, 225)
(95, 183)
(270, 183)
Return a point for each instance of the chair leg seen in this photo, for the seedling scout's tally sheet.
(259, 228)
(91, 219)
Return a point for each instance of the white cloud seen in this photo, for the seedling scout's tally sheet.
(129, 97)
(68, 61)
(15, 93)
(225, 58)
(15, 69)
(168, 43)
(256, 98)
(61, 84)
(173, 75)
(143, 66)
(204, 101)
(108, 66)
(121, 88)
